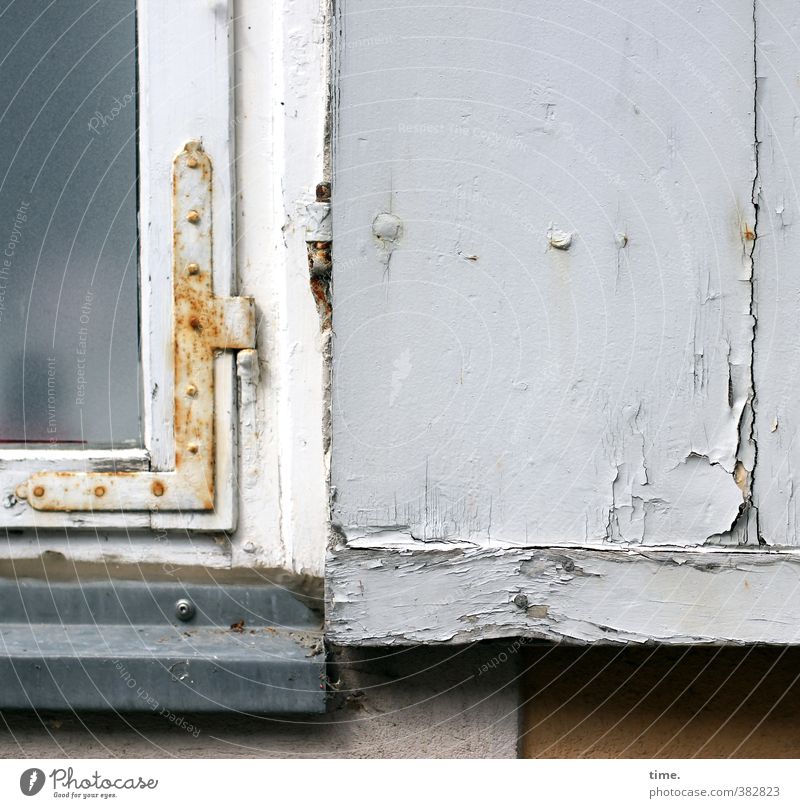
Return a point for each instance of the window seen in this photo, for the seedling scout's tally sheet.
(68, 315)
(89, 377)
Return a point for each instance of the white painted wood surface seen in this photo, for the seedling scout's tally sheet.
(404, 594)
(777, 283)
(566, 356)
(281, 107)
(542, 299)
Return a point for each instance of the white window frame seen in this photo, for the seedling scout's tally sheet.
(185, 93)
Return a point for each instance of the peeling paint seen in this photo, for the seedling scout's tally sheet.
(601, 395)
(385, 596)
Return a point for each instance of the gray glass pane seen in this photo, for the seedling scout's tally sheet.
(69, 309)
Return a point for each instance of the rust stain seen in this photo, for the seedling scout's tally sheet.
(320, 289)
(319, 269)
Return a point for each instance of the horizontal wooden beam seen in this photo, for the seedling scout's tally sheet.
(410, 592)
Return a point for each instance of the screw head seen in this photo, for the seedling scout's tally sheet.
(184, 610)
(192, 162)
(193, 217)
(521, 601)
(100, 491)
(191, 391)
(193, 268)
(157, 488)
(193, 448)
(38, 491)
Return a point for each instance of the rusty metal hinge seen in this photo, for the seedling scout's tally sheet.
(202, 324)
(319, 240)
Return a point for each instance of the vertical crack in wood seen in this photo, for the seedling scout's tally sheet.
(756, 191)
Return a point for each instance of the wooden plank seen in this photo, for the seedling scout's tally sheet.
(281, 107)
(777, 283)
(542, 291)
(405, 592)
(195, 103)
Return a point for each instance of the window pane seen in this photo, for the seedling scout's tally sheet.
(69, 309)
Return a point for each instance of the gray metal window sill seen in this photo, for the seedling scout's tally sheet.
(121, 645)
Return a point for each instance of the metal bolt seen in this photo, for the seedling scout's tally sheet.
(184, 610)
(193, 448)
(192, 162)
(21, 491)
(323, 192)
(157, 488)
(38, 491)
(191, 391)
(193, 269)
(559, 239)
(521, 601)
(99, 491)
(568, 565)
(195, 323)
(387, 227)
(193, 216)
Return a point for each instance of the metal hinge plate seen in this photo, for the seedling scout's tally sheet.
(202, 324)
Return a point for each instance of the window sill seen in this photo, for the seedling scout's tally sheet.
(120, 646)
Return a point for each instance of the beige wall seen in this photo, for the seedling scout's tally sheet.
(661, 702)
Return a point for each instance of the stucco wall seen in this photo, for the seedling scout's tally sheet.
(399, 702)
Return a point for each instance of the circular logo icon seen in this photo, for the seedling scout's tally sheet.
(31, 781)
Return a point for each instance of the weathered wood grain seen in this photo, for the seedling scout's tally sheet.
(407, 593)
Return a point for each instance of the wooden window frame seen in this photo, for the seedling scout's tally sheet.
(184, 88)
